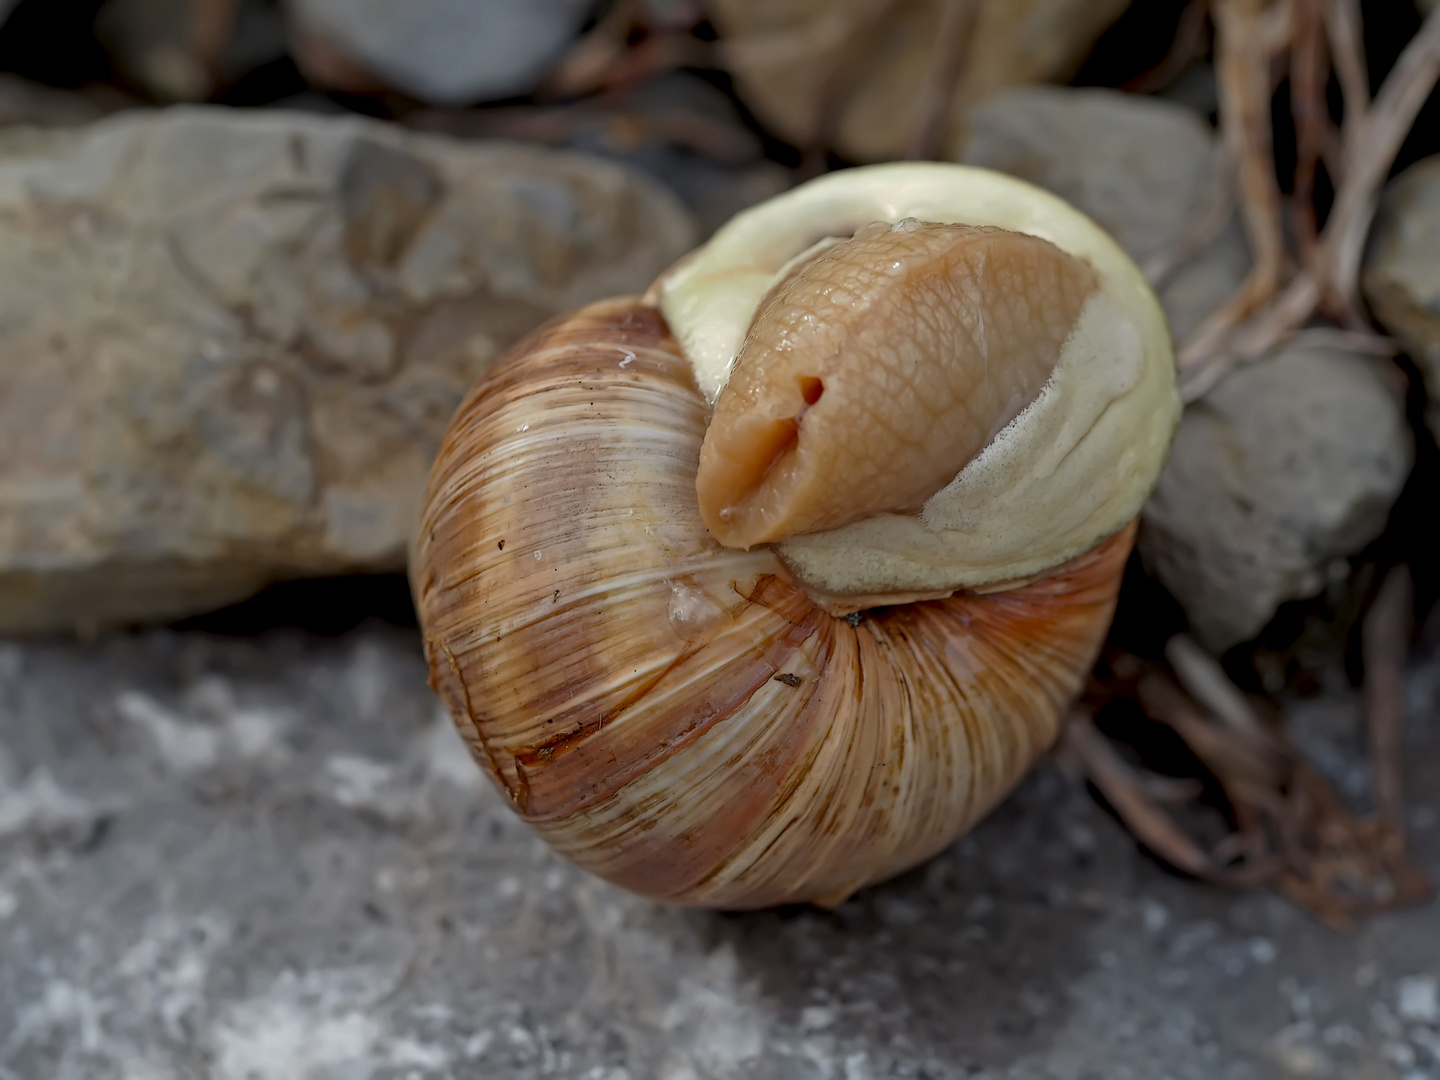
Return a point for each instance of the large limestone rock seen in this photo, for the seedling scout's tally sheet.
(1286, 465)
(1144, 169)
(1401, 279)
(229, 343)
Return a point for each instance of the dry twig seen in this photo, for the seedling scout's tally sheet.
(1125, 792)
(606, 58)
(1329, 282)
(1291, 829)
(1188, 45)
(1243, 82)
(1342, 24)
(1309, 71)
(1384, 644)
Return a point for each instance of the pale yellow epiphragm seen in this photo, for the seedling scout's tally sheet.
(1070, 470)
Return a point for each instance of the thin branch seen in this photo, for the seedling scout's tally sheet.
(1347, 48)
(1188, 45)
(1377, 142)
(1309, 73)
(1243, 82)
(583, 67)
(1365, 342)
(1118, 783)
(1229, 337)
(1385, 642)
(1208, 684)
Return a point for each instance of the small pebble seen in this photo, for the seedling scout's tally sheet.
(1398, 1054)
(1295, 1052)
(1342, 1034)
(1417, 999)
(1262, 950)
(816, 1018)
(1384, 1020)
(1428, 1040)
(1155, 917)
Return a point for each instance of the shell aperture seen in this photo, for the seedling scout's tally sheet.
(878, 370)
(1072, 466)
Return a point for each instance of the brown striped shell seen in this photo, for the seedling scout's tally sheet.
(685, 719)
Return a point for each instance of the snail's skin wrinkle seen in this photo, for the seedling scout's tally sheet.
(676, 764)
(1070, 469)
(928, 341)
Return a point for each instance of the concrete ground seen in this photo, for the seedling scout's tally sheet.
(256, 859)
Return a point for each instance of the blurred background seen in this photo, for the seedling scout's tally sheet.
(252, 252)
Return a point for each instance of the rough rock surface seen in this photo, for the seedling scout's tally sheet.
(1401, 278)
(446, 52)
(1289, 463)
(1144, 169)
(229, 343)
(270, 859)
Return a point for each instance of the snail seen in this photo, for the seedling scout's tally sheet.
(767, 585)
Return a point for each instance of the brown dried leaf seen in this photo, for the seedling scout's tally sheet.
(852, 74)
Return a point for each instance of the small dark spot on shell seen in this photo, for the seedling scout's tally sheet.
(502, 545)
(788, 679)
(855, 618)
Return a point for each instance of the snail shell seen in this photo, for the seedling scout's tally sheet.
(693, 721)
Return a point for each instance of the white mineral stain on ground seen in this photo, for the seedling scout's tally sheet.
(216, 729)
(1417, 999)
(712, 1028)
(39, 804)
(316, 1025)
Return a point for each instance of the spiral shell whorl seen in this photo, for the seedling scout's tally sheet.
(681, 718)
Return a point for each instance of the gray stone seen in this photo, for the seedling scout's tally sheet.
(1288, 464)
(446, 52)
(1144, 169)
(1401, 276)
(229, 343)
(271, 859)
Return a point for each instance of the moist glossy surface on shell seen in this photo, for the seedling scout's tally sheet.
(681, 718)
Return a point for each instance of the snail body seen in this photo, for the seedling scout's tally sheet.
(698, 722)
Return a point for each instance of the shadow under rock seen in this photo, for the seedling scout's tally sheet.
(328, 607)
